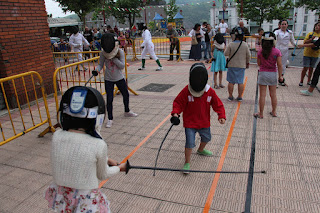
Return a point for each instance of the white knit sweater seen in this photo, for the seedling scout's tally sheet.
(79, 160)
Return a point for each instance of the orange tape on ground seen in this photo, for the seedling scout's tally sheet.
(221, 161)
(139, 145)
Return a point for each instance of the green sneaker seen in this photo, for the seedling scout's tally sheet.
(205, 152)
(186, 167)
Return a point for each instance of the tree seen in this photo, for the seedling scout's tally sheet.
(260, 10)
(80, 7)
(171, 10)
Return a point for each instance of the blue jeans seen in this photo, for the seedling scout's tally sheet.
(204, 133)
(207, 51)
(122, 86)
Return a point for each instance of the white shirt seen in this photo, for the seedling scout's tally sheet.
(223, 27)
(146, 36)
(193, 33)
(283, 39)
(79, 161)
(77, 41)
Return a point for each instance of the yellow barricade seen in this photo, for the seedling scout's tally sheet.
(161, 47)
(77, 74)
(28, 117)
(65, 58)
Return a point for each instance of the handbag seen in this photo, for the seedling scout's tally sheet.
(194, 41)
(228, 59)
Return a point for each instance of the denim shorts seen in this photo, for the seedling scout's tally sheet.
(309, 61)
(235, 75)
(204, 133)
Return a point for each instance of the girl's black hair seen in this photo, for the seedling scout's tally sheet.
(314, 27)
(283, 21)
(260, 29)
(267, 45)
(196, 26)
(219, 38)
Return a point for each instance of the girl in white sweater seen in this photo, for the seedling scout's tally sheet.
(79, 155)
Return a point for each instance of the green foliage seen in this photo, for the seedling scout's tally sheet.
(260, 10)
(152, 25)
(195, 14)
(171, 10)
(310, 5)
(80, 7)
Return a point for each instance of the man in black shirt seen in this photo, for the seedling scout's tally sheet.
(88, 34)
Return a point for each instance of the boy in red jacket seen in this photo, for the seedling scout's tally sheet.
(195, 101)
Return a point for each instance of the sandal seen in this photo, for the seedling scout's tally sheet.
(273, 115)
(216, 87)
(257, 115)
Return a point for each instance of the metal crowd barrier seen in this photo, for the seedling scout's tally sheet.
(65, 58)
(26, 117)
(161, 47)
(77, 74)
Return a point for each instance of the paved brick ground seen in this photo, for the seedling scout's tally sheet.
(287, 148)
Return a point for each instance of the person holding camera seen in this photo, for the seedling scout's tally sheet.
(310, 54)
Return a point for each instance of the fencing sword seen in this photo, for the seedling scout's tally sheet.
(129, 166)
(294, 50)
(94, 73)
(155, 164)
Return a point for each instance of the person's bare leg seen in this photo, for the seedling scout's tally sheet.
(202, 146)
(240, 90)
(303, 73)
(310, 74)
(215, 78)
(274, 100)
(187, 154)
(262, 98)
(230, 89)
(220, 77)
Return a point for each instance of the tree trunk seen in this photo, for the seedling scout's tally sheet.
(130, 21)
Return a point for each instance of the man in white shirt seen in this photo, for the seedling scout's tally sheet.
(223, 27)
(77, 41)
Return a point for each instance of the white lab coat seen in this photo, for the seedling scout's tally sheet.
(283, 39)
(148, 46)
(77, 41)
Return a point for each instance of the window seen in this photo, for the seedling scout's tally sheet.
(304, 27)
(305, 11)
(270, 28)
(305, 19)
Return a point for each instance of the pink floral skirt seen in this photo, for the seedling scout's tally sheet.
(68, 200)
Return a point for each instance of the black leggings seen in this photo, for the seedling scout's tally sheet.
(315, 78)
(122, 86)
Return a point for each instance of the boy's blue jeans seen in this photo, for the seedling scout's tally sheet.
(204, 133)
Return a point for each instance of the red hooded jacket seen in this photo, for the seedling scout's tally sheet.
(196, 111)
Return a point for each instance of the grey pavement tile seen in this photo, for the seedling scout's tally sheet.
(166, 207)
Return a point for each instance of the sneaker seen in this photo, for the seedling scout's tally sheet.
(306, 92)
(141, 68)
(221, 86)
(159, 69)
(309, 83)
(109, 123)
(283, 84)
(239, 99)
(186, 167)
(230, 98)
(300, 84)
(130, 114)
(205, 152)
